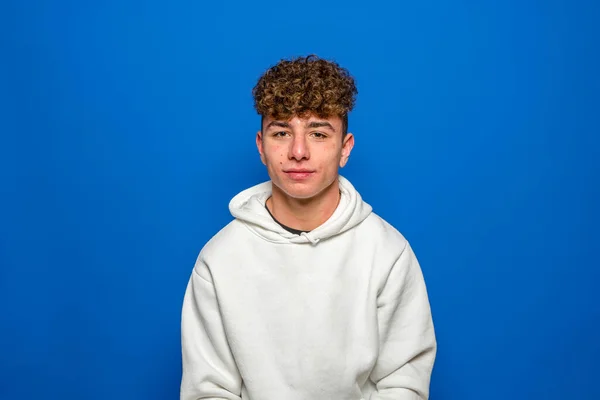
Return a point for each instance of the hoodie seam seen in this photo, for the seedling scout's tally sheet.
(387, 278)
(200, 276)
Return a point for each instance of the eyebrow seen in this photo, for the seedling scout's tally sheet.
(320, 124)
(314, 124)
(280, 124)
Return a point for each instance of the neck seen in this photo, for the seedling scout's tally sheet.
(304, 214)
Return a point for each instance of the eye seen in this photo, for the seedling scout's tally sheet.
(280, 134)
(319, 135)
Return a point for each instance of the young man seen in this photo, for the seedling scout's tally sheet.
(307, 294)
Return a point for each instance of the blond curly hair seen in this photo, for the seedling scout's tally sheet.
(303, 86)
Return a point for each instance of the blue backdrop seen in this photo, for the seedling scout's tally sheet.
(127, 127)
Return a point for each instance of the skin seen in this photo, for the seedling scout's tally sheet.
(303, 157)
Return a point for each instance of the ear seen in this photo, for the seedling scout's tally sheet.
(347, 147)
(259, 145)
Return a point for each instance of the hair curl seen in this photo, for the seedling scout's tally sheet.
(303, 86)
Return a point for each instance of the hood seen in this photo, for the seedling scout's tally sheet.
(249, 207)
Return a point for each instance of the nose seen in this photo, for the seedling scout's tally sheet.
(299, 148)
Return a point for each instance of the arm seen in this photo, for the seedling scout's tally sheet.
(407, 344)
(209, 370)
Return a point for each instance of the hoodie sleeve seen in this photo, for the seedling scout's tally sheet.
(209, 370)
(407, 343)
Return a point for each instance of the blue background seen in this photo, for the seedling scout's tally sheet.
(127, 127)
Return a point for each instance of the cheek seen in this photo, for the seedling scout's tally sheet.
(275, 155)
(331, 155)
(273, 152)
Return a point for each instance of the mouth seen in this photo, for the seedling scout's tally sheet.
(298, 174)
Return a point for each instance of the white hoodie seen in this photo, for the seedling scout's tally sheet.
(338, 313)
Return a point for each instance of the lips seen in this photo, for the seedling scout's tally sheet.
(299, 174)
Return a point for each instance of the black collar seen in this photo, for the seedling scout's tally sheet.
(287, 228)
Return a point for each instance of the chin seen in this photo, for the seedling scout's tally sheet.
(302, 190)
(300, 193)
(298, 190)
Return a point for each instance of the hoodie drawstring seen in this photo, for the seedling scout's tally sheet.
(310, 238)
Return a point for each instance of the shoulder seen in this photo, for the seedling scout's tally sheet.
(224, 238)
(382, 232)
(221, 244)
(394, 255)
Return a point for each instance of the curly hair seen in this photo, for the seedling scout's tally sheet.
(303, 86)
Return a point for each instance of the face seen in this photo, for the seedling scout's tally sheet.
(303, 155)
